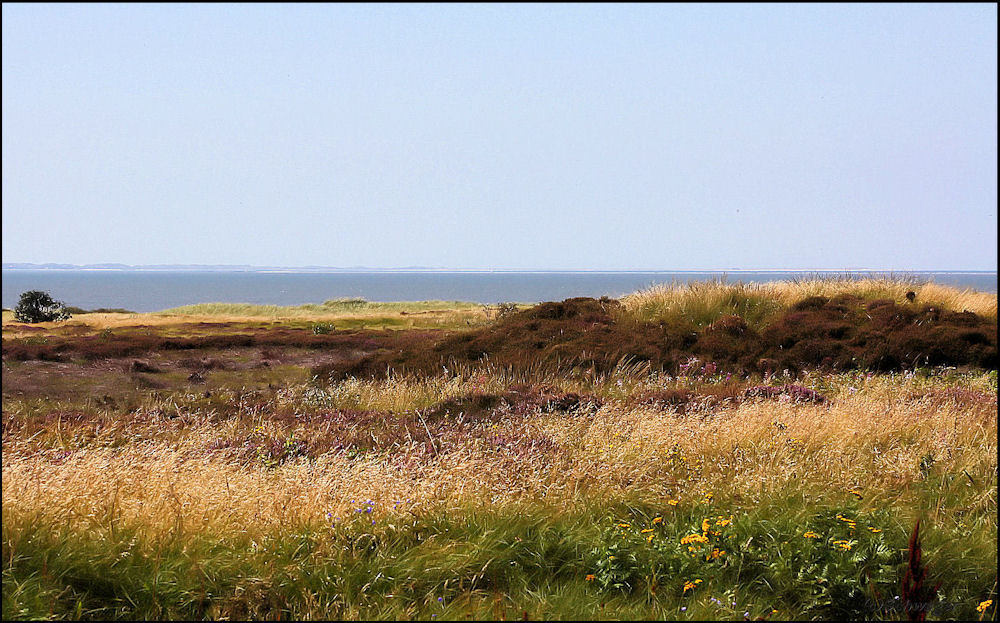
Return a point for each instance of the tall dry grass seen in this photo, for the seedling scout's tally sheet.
(145, 514)
(701, 303)
(873, 437)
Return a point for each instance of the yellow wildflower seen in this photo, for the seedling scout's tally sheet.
(704, 526)
(708, 497)
(646, 530)
(984, 605)
(649, 539)
(845, 545)
(811, 535)
(590, 577)
(624, 525)
(657, 519)
(724, 522)
(856, 493)
(694, 538)
(875, 530)
(716, 553)
(689, 585)
(672, 502)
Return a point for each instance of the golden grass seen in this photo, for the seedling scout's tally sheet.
(873, 439)
(702, 302)
(928, 293)
(434, 318)
(90, 321)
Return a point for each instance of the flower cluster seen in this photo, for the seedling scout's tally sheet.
(850, 522)
(710, 529)
(689, 585)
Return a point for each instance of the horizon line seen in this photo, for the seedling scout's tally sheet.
(114, 266)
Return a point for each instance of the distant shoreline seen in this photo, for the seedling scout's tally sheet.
(149, 289)
(363, 270)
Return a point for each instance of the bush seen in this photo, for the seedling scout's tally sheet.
(38, 306)
(500, 311)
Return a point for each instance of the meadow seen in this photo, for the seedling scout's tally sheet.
(811, 450)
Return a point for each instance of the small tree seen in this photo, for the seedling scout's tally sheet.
(38, 306)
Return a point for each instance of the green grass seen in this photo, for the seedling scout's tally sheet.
(500, 563)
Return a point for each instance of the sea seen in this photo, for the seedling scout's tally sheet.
(155, 290)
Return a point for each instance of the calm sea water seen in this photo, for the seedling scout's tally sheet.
(155, 290)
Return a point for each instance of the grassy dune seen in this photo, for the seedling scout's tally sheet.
(499, 492)
(702, 303)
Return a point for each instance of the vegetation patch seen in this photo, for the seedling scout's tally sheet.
(840, 333)
(564, 461)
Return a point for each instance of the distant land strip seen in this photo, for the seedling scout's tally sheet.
(251, 268)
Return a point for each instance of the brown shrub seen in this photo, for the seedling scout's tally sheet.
(470, 407)
(145, 382)
(205, 363)
(729, 339)
(548, 399)
(143, 366)
(664, 399)
(879, 336)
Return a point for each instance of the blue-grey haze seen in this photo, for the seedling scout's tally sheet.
(143, 291)
(609, 137)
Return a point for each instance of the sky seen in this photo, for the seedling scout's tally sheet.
(520, 137)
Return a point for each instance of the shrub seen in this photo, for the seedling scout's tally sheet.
(38, 306)
(500, 311)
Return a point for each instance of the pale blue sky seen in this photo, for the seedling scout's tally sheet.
(668, 137)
